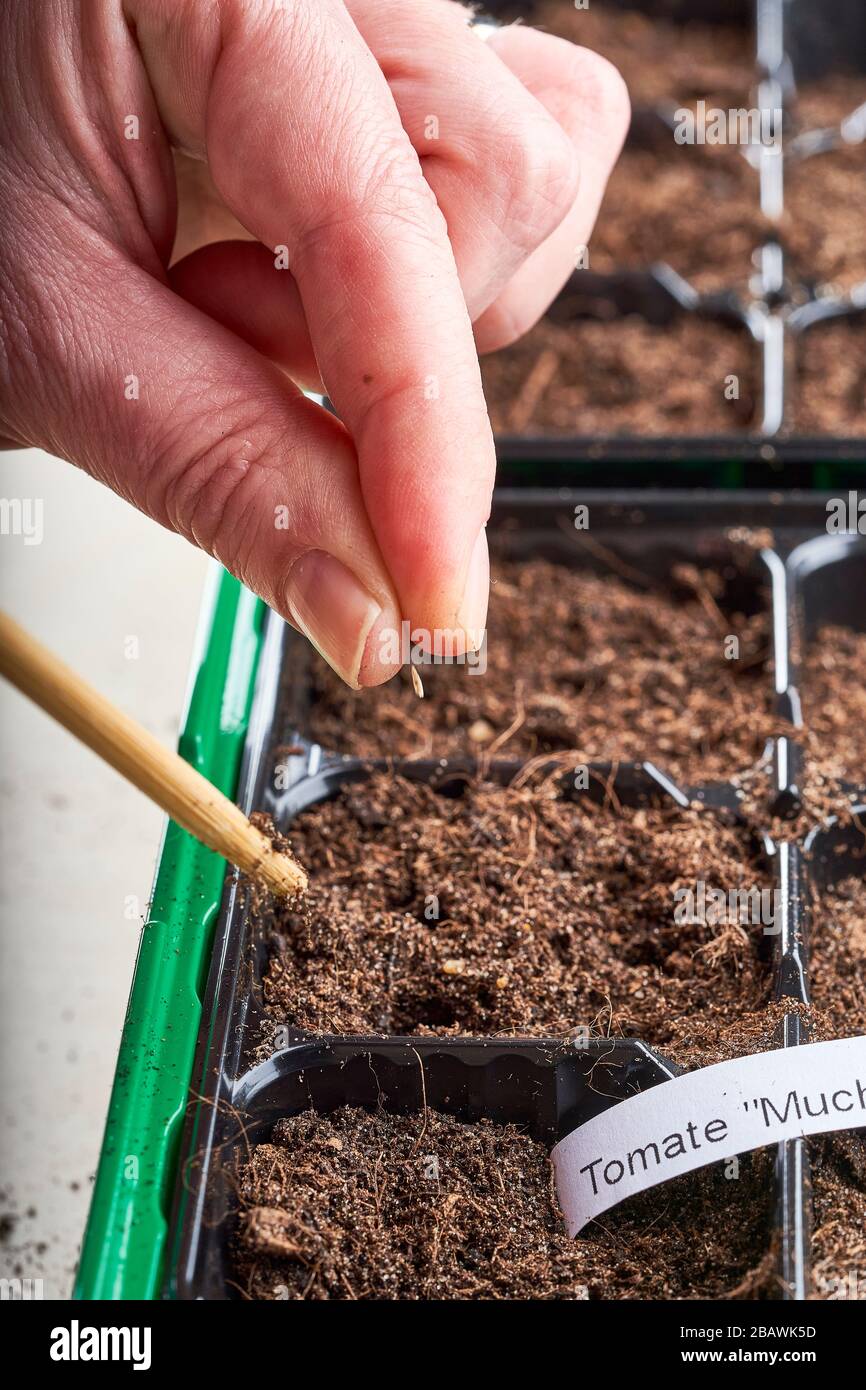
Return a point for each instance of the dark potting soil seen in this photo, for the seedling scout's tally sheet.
(825, 197)
(623, 378)
(534, 894)
(834, 702)
(832, 741)
(361, 1206)
(516, 910)
(831, 379)
(838, 955)
(581, 662)
(662, 61)
(513, 909)
(839, 1216)
(695, 207)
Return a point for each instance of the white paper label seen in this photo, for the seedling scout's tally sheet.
(706, 1116)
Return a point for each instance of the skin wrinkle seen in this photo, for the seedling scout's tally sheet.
(191, 495)
(213, 500)
(540, 184)
(160, 220)
(206, 502)
(14, 328)
(164, 26)
(49, 335)
(93, 183)
(357, 219)
(184, 495)
(67, 99)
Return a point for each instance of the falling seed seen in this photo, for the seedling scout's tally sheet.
(453, 967)
(416, 682)
(501, 982)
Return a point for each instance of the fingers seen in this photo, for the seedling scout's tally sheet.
(501, 129)
(239, 284)
(503, 169)
(210, 439)
(329, 174)
(589, 99)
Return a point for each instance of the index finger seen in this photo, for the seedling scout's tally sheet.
(312, 157)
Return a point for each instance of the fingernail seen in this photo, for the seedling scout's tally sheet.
(333, 609)
(472, 614)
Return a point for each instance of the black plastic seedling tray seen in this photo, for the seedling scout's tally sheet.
(795, 41)
(547, 1085)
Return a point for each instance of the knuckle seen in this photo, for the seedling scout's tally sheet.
(366, 215)
(395, 190)
(543, 178)
(387, 183)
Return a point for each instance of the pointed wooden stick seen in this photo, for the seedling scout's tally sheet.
(139, 757)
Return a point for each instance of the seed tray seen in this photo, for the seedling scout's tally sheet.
(548, 1085)
(793, 42)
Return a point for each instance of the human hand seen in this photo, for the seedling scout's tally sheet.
(353, 187)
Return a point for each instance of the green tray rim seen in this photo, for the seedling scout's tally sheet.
(124, 1244)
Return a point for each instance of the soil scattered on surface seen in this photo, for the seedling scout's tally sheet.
(513, 910)
(580, 662)
(360, 1206)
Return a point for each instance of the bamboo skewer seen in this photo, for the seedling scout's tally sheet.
(160, 773)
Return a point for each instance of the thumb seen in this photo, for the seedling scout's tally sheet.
(193, 426)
